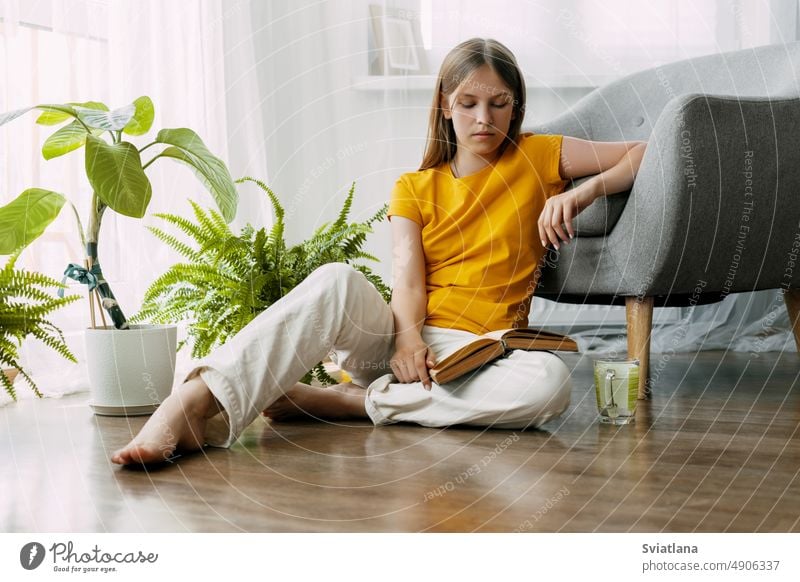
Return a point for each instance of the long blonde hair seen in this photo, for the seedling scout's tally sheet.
(459, 63)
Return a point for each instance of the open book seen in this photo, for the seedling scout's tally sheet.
(494, 345)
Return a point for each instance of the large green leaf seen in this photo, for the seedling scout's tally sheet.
(142, 119)
(52, 113)
(53, 117)
(190, 149)
(26, 217)
(116, 175)
(106, 120)
(57, 111)
(68, 138)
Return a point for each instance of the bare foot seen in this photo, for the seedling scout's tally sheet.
(177, 425)
(335, 402)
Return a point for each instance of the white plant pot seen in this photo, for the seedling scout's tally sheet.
(130, 371)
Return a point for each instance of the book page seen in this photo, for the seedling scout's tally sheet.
(529, 332)
(497, 335)
(530, 338)
(463, 353)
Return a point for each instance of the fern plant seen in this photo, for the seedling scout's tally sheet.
(25, 306)
(228, 279)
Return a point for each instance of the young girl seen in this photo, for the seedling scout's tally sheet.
(465, 253)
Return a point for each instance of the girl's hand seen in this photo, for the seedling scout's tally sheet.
(560, 210)
(411, 361)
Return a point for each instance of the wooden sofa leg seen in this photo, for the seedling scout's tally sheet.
(792, 299)
(639, 314)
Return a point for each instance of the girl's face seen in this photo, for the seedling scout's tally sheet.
(481, 109)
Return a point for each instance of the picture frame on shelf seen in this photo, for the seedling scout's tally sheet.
(395, 42)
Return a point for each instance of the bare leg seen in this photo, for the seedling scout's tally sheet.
(177, 425)
(338, 402)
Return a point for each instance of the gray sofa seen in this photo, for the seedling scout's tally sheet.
(715, 208)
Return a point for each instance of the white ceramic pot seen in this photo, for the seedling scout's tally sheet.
(130, 371)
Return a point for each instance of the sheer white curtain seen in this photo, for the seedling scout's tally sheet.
(322, 133)
(186, 58)
(51, 52)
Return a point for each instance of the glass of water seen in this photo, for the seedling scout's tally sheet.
(616, 383)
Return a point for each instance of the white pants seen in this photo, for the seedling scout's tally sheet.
(337, 308)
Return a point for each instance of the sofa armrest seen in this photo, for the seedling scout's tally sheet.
(716, 201)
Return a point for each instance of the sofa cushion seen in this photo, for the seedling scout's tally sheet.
(599, 218)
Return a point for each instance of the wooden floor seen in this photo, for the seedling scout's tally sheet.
(716, 449)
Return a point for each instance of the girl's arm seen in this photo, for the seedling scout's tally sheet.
(614, 164)
(409, 304)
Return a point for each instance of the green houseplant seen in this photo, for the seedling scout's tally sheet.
(25, 306)
(229, 279)
(130, 373)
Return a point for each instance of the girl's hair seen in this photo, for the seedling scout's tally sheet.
(457, 66)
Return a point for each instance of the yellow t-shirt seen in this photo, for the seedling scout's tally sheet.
(480, 235)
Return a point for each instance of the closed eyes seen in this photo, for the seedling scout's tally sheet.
(471, 105)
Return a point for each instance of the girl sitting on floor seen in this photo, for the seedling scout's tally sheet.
(466, 246)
